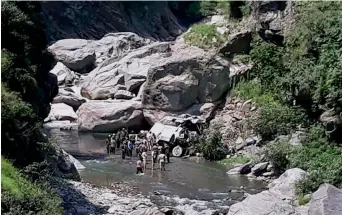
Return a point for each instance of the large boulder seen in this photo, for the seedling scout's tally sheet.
(66, 165)
(74, 53)
(284, 186)
(187, 75)
(110, 115)
(242, 169)
(264, 203)
(124, 68)
(259, 168)
(69, 98)
(64, 74)
(61, 125)
(61, 111)
(327, 200)
(238, 43)
(83, 55)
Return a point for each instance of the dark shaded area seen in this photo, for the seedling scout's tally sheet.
(94, 19)
(271, 6)
(75, 202)
(235, 10)
(271, 36)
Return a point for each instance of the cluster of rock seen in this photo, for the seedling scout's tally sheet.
(124, 80)
(82, 199)
(280, 199)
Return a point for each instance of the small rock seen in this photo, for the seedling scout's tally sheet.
(259, 168)
(250, 141)
(253, 108)
(268, 174)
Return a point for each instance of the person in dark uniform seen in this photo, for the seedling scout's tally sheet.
(123, 151)
(167, 152)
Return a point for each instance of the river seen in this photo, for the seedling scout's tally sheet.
(187, 184)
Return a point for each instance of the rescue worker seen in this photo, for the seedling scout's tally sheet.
(108, 144)
(154, 154)
(130, 148)
(167, 152)
(162, 159)
(112, 144)
(144, 158)
(139, 167)
(123, 151)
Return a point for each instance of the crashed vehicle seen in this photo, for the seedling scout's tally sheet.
(179, 132)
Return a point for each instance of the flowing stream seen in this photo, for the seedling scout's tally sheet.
(187, 184)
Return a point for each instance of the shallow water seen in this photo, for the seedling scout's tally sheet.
(191, 185)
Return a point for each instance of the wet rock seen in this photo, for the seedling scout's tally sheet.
(66, 165)
(107, 116)
(243, 169)
(284, 186)
(268, 174)
(60, 112)
(259, 168)
(123, 94)
(326, 201)
(61, 125)
(69, 98)
(63, 73)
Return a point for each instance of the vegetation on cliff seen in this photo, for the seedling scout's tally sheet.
(294, 85)
(26, 92)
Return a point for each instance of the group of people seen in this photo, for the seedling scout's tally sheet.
(160, 151)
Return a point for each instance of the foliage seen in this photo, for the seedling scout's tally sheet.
(303, 199)
(210, 147)
(223, 7)
(20, 196)
(204, 36)
(235, 160)
(245, 10)
(244, 58)
(25, 94)
(322, 160)
(277, 153)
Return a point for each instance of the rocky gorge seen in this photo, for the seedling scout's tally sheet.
(134, 79)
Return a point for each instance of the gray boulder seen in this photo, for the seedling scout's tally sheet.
(147, 211)
(69, 98)
(74, 53)
(133, 65)
(66, 165)
(327, 200)
(238, 43)
(123, 94)
(264, 203)
(61, 111)
(110, 115)
(259, 168)
(61, 125)
(64, 74)
(187, 75)
(284, 186)
(243, 169)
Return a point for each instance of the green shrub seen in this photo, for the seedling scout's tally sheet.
(303, 200)
(245, 10)
(210, 147)
(20, 196)
(244, 58)
(204, 36)
(277, 153)
(223, 7)
(277, 119)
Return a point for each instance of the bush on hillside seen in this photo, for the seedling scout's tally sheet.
(20, 196)
(204, 36)
(210, 147)
(277, 154)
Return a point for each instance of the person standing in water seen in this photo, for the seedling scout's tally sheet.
(130, 148)
(167, 152)
(162, 159)
(144, 158)
(123, 151)
(139, 167)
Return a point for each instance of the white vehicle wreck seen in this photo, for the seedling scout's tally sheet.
(179, 132)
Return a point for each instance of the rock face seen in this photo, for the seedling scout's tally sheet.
(107, 116)
(69, 98)
(271, 201)
(61, 111)
(284, 186)
(86, 20)
(64, 74)
(326, 201)
(238, 43)
(187, 75)
(123, 94)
